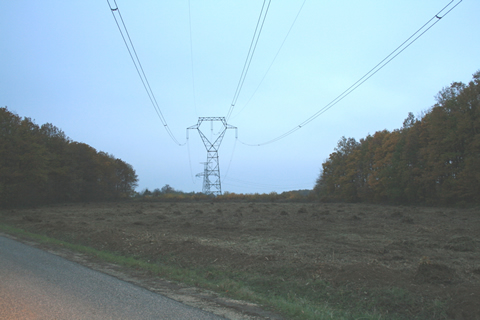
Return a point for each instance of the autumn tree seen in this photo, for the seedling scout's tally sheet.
(39, 164)
(433, 160)
(338, 177)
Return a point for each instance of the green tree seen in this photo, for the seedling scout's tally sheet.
(40, 164)
(167, 189)
(56, 143)
(126, 177)
(23, 164)
(83, 172)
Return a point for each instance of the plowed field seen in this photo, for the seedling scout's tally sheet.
(431, 253)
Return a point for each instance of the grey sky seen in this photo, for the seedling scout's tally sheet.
(64, 62)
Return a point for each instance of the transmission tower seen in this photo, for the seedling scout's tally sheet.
(206, 181)
(211, 172)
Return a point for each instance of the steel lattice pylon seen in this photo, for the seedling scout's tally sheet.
(211, 174)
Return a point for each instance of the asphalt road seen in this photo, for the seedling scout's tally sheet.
(35, 284)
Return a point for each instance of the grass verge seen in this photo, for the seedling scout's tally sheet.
(288, 296)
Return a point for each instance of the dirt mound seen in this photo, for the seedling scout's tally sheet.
(434, 273)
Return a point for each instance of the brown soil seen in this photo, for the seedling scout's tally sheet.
(434, 253)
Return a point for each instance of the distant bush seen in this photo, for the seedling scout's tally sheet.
(289, 196)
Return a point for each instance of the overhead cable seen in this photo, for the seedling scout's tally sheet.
(251, 51)
(231, 158)
(190, 160)
(422, 30)
(191, 58)
(274, 58)
(138, 66)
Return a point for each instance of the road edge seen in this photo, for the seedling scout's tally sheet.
(192, 296)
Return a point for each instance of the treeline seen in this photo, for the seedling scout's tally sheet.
(39, 164)
(432, 160)
(167, 193)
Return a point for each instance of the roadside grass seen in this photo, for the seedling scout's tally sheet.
(282, 293)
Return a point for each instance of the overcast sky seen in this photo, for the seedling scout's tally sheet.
(64, 62)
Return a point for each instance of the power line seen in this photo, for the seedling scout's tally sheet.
(139, 68)
(231, 157)
(276, 55)
(422, 30)
(251, 51)
(190, 160)
(191, 57)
